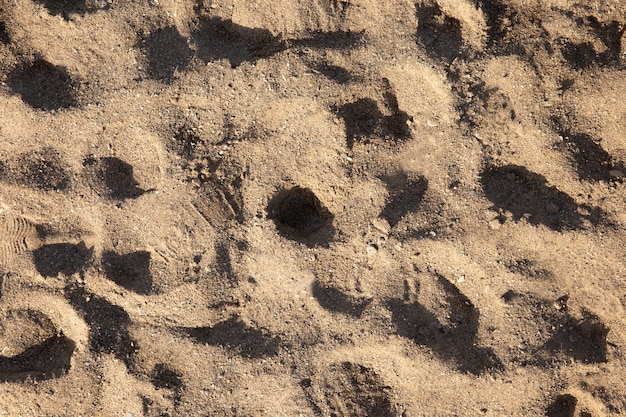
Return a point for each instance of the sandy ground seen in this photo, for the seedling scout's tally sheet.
(312, 208)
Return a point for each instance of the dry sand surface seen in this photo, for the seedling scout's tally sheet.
(312, 208)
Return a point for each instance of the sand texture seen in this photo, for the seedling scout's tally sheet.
(312, 208)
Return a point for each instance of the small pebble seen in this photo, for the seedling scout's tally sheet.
(617, 173)
(371, 250)
(495, 224)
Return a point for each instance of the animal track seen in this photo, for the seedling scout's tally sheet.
(40, 352)
(18, 235)
(562, 406)
(164, 377)
(113, 178)
(547, 332)
(301, 216)
(223, 39)
(131, 270)
(439, 34)
(405, 195)
(108, 324)
(236, 334)
(582, 55)
(41, 169)
(503, 22)
(221, 200)
(455, 340)
(366, 122)
(349, 390)
(64, 7)
(591, 161)
(66, 258)
(526, 195)
(167, 52)
(224, 263)
(582, 339)
(44, 86)
(335, 300)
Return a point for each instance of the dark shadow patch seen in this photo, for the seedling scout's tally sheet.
(609, 394)
(363, 118)
(547, 334)
(501, 21)
(563, 406)
(611, 34)
(528, 268)
(455, 341)
(114, 178)
(48, 359)
(365, 121)
(337, 301)
(349, 389)
(42, 169)
(405, 196)
(64, 7)
(163, 377)
(584, 339)
(224, 263)
(585, 54)
(330, 40)
(5, 38)
(186, 141)
(167, 52)
(235, 334)
(580, 55)
(592, 162)
(44, 86)
(108, 324)
(397, 122)
(131, 270)
(510, 296)
(217, 39)
(66, 258)
(526, 195)
(299, 215)
(439, 34)
(338, 74)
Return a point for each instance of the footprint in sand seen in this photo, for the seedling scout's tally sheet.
(40, 352)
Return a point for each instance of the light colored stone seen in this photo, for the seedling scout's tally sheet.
(381, 225)
(371, 250)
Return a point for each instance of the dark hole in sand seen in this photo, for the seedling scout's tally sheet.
(66, 258)
(131, 270)
(301, 216)
(44, 86)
